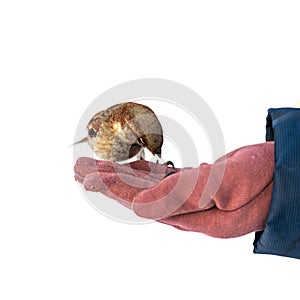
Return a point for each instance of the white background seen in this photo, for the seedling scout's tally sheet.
(242, 57)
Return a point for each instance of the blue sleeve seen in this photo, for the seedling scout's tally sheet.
(281, 235)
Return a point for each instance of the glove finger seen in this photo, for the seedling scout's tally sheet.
(86, 165)
(121, 187)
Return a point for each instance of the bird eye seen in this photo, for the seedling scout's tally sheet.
(141, 142)
(92, 132)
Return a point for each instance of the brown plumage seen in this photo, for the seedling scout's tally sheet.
(123, 131)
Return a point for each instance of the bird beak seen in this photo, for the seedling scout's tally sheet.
(157, 152)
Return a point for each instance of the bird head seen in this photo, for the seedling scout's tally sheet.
(152, 141)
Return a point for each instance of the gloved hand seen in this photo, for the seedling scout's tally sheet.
(228, 198)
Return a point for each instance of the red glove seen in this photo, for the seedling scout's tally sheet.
(226, 199)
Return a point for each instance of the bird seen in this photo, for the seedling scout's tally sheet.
(123, 131)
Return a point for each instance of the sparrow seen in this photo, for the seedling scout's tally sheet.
(123, 131)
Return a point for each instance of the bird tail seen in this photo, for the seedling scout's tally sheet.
(84, 140)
